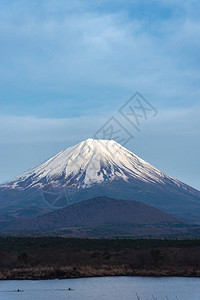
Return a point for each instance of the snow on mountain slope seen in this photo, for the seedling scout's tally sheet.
(96, 168)
(90, 162)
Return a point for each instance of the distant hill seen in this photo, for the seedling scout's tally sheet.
(102, 216)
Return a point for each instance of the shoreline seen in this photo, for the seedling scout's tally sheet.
(38, 258)
(88, 272)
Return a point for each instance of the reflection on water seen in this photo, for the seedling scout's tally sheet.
(110, 288)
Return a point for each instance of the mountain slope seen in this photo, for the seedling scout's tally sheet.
(94, 168)
(101, 212)
(91, 162)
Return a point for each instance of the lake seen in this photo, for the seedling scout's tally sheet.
(110, 288)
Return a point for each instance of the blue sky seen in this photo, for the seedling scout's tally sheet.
(66, 67)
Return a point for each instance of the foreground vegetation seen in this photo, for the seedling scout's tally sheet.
(56, 257)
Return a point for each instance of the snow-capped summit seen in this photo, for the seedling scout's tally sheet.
(90, 162)
(95, 168)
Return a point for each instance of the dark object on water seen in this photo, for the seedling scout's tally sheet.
(69, 289)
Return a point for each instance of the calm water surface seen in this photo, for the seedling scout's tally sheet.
(111, 288)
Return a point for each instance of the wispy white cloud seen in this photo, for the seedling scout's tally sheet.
(34, 130)
(15, 129)
(83, 48)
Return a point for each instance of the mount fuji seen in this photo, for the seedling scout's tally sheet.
(91, 169)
